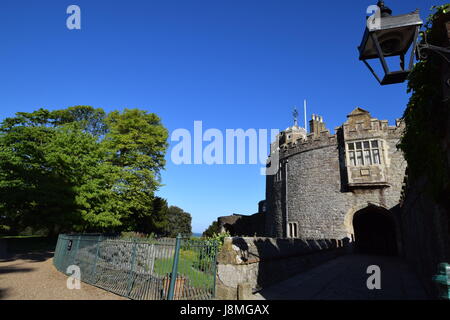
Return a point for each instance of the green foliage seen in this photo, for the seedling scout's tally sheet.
(426, 115)
(179, 222)
(211, 230)
(218, 238)
(136, 235)
(207, 256)
(4, 227)
(79, 169)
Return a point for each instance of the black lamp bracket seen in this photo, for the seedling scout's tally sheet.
(424, 47)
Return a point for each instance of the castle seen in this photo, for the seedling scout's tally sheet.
(332, 186)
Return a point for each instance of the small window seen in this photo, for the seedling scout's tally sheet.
(351, 146)
(292, 230)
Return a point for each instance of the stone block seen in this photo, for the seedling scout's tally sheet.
(244, 291)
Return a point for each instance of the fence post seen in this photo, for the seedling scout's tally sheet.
(56, 255)
(96, 257)
(215, 248)
(133, 262)
(62, 252)
(74, 256)
(173, 276)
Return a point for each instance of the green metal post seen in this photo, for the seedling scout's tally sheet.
(56, 255)
(74, 256)
(214, 268)
(133, 262)
(173, 276)
(96, 256)
(61, 252)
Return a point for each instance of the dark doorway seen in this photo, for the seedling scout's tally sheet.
(374, 231)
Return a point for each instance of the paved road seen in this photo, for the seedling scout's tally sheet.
(32, 276)
(345, 278)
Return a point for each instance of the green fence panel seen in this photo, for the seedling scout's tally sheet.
(150, 269)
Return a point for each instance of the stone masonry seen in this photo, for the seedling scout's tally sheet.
(319, 187)
(250, 264)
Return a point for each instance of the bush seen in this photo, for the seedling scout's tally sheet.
(136, 235)
(206, 258)
(212, 230)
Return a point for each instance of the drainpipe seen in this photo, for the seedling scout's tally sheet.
(286, 198)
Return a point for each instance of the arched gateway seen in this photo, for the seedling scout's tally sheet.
(374, 230)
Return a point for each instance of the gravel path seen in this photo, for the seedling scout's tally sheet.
(32, 276)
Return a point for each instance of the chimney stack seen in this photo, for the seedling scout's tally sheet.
(316, 125)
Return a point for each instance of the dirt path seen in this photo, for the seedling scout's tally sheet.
(32, 276)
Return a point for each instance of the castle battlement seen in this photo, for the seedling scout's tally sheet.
(360, 125)
(310, 142)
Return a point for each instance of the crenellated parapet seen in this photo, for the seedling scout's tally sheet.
(311, 142)
(359, 126)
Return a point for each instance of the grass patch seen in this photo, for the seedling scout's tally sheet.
(186, 263)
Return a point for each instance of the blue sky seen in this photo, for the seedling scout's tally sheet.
(231, 64)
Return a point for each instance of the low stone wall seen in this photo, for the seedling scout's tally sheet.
(258, 262)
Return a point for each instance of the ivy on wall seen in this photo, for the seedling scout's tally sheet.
(427, 114)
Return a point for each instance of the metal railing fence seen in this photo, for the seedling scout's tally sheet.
(141, 269)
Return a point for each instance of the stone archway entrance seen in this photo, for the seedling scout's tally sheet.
(374, 230)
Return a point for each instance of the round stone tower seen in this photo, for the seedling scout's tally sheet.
(324, 179)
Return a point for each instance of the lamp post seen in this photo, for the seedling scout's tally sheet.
(393, 36)
(390, 36)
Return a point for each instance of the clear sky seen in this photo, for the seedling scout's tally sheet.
(229, 63)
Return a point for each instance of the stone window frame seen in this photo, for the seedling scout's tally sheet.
(363, 153)
(292, 230)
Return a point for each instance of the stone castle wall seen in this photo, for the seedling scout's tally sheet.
(259, 262)
(317, 196)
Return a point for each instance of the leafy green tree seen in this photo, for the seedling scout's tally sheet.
(136, 142)
(79, 169)
(179, 222)
(31, 190)
(211, 230)
(152, 221)
(85, 118)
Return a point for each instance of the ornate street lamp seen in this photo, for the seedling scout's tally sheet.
(390, 36)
